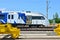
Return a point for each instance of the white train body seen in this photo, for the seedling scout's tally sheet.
(23, 17)
(37, 18)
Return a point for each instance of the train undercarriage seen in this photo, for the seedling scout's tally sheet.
(28, 25)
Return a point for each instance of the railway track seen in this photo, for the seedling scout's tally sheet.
(35, 38)
(31, 31)
(32, 35)
(37, 29)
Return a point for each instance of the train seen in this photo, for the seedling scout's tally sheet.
(24, 19)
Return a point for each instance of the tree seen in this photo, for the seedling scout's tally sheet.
(56, 15)
(51, 21)
(55, 18)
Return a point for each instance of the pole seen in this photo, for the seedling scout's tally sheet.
(47, 8)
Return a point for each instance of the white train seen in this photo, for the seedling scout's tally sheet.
(37, 18)
(27, 17)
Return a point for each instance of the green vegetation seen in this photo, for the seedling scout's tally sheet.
(56, 18)
(51, 21)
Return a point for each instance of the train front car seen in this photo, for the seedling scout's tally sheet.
(35, 19)
(3, 17)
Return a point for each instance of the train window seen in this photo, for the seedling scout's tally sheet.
(18, 17)
(28, 11)
(38, 17)
(23, 17)
(29, 18)
(42, 18)
(11, 16)
(8, 16)
(2, 16)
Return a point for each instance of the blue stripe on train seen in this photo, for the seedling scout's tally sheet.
(22, 15)
(5, 17)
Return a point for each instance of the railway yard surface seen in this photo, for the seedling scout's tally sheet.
(33, 34)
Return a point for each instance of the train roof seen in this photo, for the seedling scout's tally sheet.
(27, 13)
(33, 13)
(12, 12)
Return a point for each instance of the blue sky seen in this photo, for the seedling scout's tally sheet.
(32, 5)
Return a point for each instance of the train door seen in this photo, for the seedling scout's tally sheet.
(29, 20)
(12, 17)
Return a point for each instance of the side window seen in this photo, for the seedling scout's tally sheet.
(23, 17)
(29, 18)
(18, 17)
(11, 16)
(38, 17)
(42, 18)
(8, 16)
(2, 16)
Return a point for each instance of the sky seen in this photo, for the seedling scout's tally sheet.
(32, 5)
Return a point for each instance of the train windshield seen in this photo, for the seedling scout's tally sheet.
(38, 17)
(1, 16)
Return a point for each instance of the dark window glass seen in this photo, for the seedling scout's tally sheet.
(23, 17)
(38, 17)
(29, 18)
(2, 16)
(11, 16)
(18, 17)
(28, 11)
(8, 16)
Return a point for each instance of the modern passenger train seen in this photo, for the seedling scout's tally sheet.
(28, 17)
